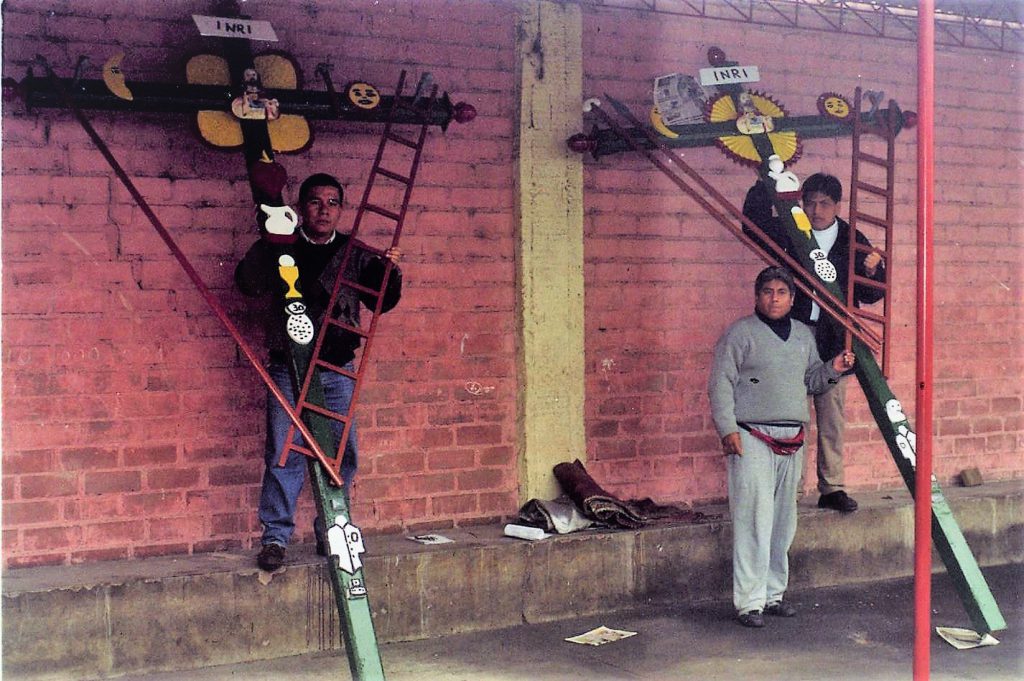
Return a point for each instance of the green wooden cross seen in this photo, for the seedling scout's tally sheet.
(347, 579)
(949, 541)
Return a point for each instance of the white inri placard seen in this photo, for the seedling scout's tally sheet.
(228, 27)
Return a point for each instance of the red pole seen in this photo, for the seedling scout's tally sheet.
(925, 261)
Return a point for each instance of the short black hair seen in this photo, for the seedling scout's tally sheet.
(774, 273)
(829, 185)
(320, 180)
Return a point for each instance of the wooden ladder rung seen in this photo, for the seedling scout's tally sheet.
(379, 252)
(394, 176)
(348, 327)
(871, 158)
(359, 287)
(338, 370)
(373, 208)
(323, 411)
(402, 140)
(870, 283)
(301, 449)
(873, 189)
(872, 316)
(872, 219)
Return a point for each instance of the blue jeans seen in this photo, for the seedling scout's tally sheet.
(282, 484)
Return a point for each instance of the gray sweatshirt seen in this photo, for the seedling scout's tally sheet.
(757, 377)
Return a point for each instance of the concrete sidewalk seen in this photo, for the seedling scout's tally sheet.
(862, 632)
(179, 615)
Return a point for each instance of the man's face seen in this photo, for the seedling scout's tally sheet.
(774, 299)
(321, 211)
(820, 209)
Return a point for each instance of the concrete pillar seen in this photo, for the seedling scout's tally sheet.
(550, 244)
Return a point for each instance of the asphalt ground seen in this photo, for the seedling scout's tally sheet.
(863, 632)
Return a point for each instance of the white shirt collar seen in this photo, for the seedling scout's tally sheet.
(306, 237)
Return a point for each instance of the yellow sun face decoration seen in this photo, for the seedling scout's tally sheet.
(363, 95)
(740, 148)
(834, 106)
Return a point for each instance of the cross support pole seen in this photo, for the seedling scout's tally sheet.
(604, 141)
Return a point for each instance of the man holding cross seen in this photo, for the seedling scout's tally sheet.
(821, 195)
(317, 254)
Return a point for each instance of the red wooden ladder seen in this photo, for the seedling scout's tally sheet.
(874, 175)
(403, 181)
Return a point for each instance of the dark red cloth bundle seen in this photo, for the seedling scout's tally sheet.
(593, 501)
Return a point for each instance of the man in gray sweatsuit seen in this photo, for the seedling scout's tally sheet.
(765, 365)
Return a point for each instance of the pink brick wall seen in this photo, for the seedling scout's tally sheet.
(133, 427)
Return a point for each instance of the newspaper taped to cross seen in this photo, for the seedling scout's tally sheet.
(680, 99)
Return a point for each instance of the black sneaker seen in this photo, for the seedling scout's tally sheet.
(780, 609)
(838, 501)
(751, 619)
(270, 557)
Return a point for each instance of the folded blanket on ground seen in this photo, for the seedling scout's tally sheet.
(553, 515)
(648, 509)
(592, 500)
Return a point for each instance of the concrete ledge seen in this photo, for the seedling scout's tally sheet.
(164, 614)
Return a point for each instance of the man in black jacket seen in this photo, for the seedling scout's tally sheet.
(317, 254)
(820, 196)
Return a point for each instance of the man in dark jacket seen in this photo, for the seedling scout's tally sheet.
(821, 195)
(317, 254)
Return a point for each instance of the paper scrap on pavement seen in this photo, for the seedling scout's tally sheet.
(600, 636)
(965, 639)
(431, 539)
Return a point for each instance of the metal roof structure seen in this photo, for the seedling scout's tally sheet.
(993, 25)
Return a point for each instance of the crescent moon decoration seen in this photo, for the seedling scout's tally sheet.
(835, 106)
(659, 125)
(740, 148)
(113, 77)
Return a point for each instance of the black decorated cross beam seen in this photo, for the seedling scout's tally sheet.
(734, 115)
(39, 91)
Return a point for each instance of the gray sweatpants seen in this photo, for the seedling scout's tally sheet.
(762, 503)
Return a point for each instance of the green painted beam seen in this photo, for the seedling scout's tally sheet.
(346, 573)
(40, 92)
(949, 541)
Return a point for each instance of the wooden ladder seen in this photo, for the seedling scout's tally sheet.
(866, 168)
(404, 180)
